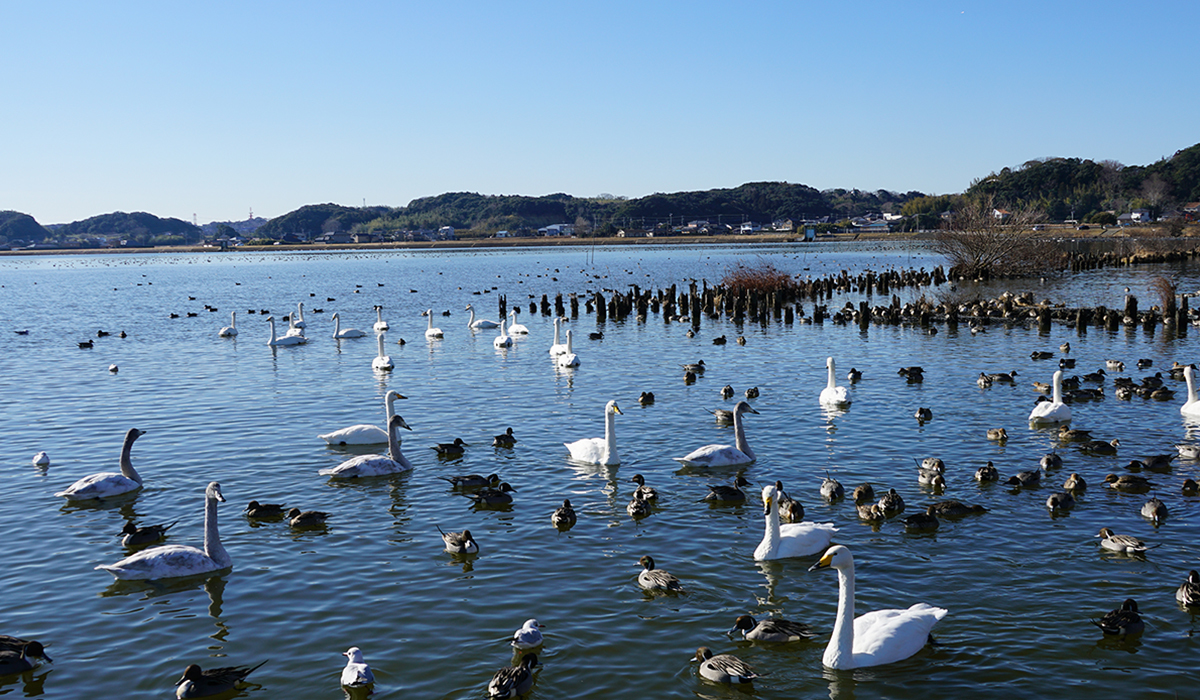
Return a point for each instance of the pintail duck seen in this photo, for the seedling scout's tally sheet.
(987, 472)
(1068, 434)
(459, 542)
(564, 516)
(728, 494)
(504, 439)
(647, 493)
(832, 490)
(1155, 510)
(264, 510)
(770, 630)
(1060, 502)
(1188, 451)
(215, 681)
(1031, 477)
(790, 509)
(1074, 483)
(1189, 590)
(1050, 460)
(498, 496)
(726, 391)
(1125, 544)
(954, 509)
(922, 522)
(134, 535)
(514, 681)
(863, 493)
(1123, 622)
(450, 449)
(308, 518)
(16, 655)
(1130, 483)
(923, 414)
(653, 579)
(1100, 447)
(997, 434)
(723, 668)
(638, 507)
(1191, 488)
(472, 481)
(891, 503)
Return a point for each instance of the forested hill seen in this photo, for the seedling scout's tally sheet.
(139, 227)
(17, 226)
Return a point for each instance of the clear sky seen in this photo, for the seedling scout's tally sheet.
(213, 108)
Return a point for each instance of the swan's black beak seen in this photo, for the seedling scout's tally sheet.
(767, 505)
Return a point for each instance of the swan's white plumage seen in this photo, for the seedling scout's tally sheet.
(173, 560)
(557, 348)
(283, 340)
(792, 539)
(1054, 410)
(380, 324)
(568, 358)
(298, 319)
(382, 361)
(503, 340)
(599, 450)
(1190, 409)
(832, 394)
(108, 484)
(515, 328)
(875, 638)
(481, 323)
(230, 330)
(348, 333)
(432, 332)
(363, 433)
(393, 462)
(725, 455)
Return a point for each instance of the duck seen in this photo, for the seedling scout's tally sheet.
(983, 381)
(450, 449)
(459, 542)
(790, 510)
(505, 439)
(720, 493)
(923, 414)
(1100, 447)
(1074, 483)
(723, 668)
(132, 535)
(1125, 544)
(514, 681)
(863, 493)
(474, 324)
(914, 373)
(719, 340)
(1155, 510)
(567, 358)
(380, 324)
(1054, 410)
(264, 510)
(1050, 460)
(516, 328)
(1030, 477)
(997, 434)
(854, 375)
(954, 509)
(393, 462)
(174, 560)
(725, 455)
(529, 636)
(307, 518)
(1068, 434)
(922, 522)
(493, 497)
(870, 512)
(503, 339)
(341, 334)
(109, 484)
(1003, 377)
(603, 450)
(563, 516)
(472, 481)
(646, 398)
(230, 330)
(727, 392)
(197, 683)
(638, 506)
(652, 579)
(875, 638)
(752, 392)
(930, 471)
(16, 655)
(1130, 483)
(832, 489)
(1185, 451)
(41, 459)
(364, 434)
(833, 396)
(430, 330)
(87, 344)
(557, 348)
(382, 361)
(1115, 365)
(1188, 592)
(987, 472)
(696, 367)
(1190, 487)
(770, 630)
(1060, 502)
(1040, 355)
(356, 672)
(891, 503)
(647, 493)
(793, 539)
(1123, 622)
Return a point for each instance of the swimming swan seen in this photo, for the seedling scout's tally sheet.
(1054, 410)
(504, 340)
(382, 361)
(517, 328)
(832, 394)
(298, 319)
(481, 323)
(557, 348)
(364, 434)
(109, 484)
(230, 330)
(348, 333)
(599, 450)
(1191, 409)
(793, 539)
(171, 560)
(380, 324)
(725, 455)
(568, 358)
(284, 340)
(375, 465)
(875, 638)
(432, 332)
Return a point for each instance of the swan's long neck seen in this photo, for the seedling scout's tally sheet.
(212, 538)
(1057, 397)
(126, 463)
(569, 349)
(832, 382)
(380, 339)
(300, 311)
(471, 321)
(610, 435)
(390, 408)
(272, 322)
(233, 319)
(840, 652)
(739, 431)
(503, 329)
(1191, 384)
(771, 535)
(394, 448)
(337, 325)
(556, 338)
(430, 314)
(379, 314)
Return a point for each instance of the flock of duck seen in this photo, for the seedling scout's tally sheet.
(874, 638)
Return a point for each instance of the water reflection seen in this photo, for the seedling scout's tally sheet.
(34, 681)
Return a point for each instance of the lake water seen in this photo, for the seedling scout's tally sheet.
(1020, 586)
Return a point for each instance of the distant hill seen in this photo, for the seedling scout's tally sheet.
(245, 227)
(15, 226)
(137, 227)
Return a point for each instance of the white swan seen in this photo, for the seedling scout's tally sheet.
(393, 462)
(298, 319)
(363, 433)
(481, 323)
(380, 324)
(1191, 409)
(109, 484)
(504, 340)
(725, 455)
(599, 450)
(516, 328)
(557, 348)
(338, 333)
(832, 394)
(293, 329)
(382, 361)
(230, 330)
(793, 539)
(1054, 410)
(432, 332)
(568, 358)
(875, 638)
(171, 560)
(284, 340)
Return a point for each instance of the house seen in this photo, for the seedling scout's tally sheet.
(631, 233)
(877, 226)
(1141, 215)
(784, 225)
(503, 234)
(1001, 214)
(749, 227)
(336, 238)
(446, 233)
(1125, 219)
(365, 238)
(557, 230)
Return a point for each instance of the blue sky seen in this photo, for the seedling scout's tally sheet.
(211, 109)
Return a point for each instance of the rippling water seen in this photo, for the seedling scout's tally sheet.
(1020, 586)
